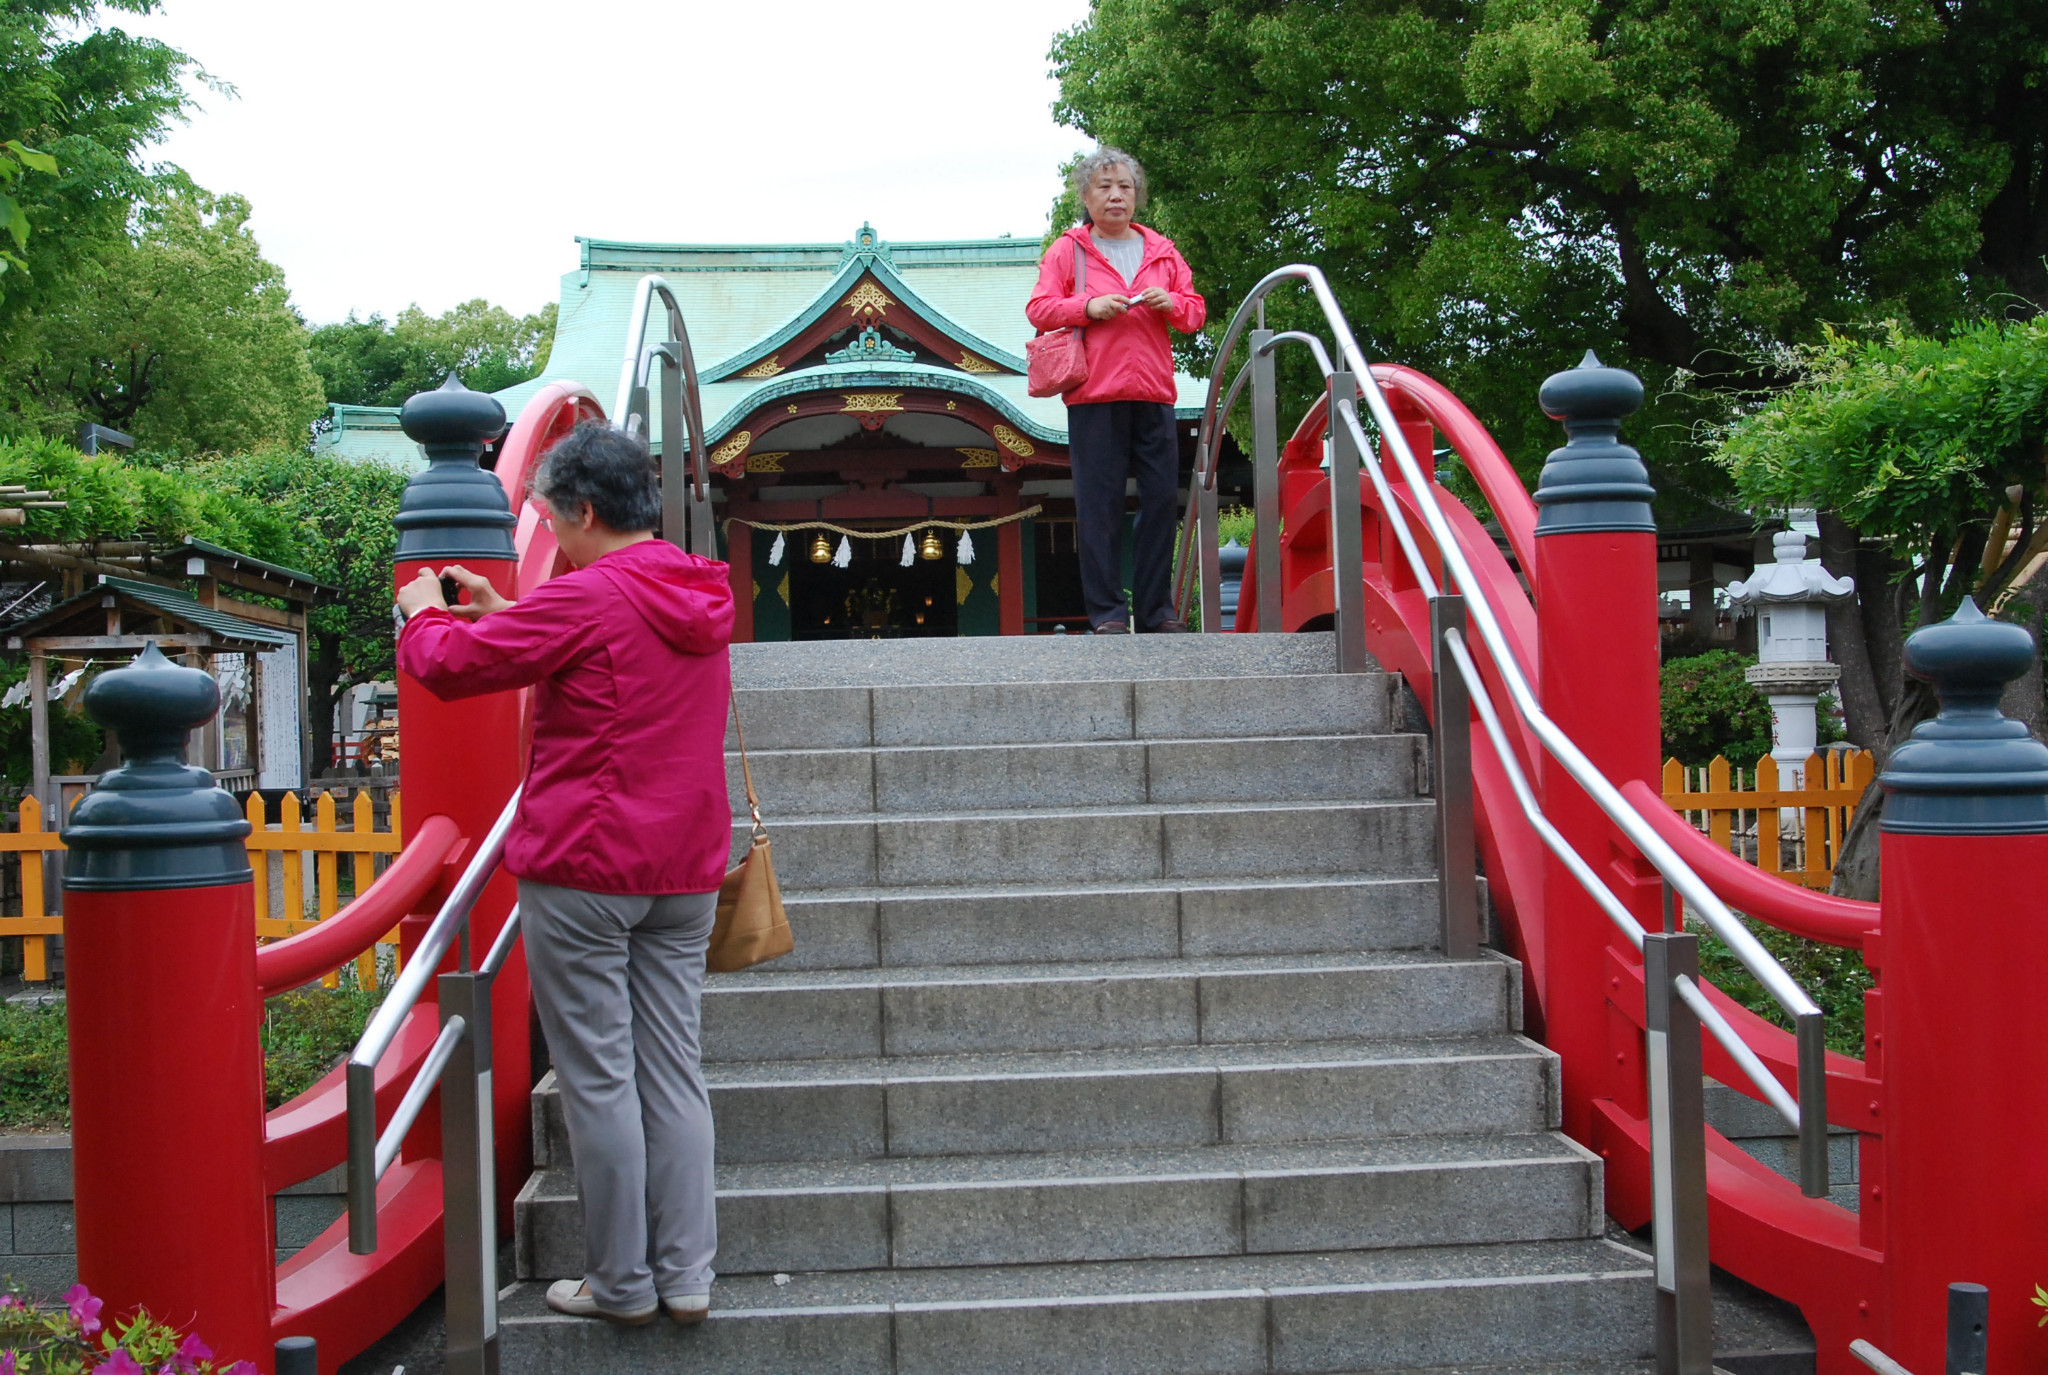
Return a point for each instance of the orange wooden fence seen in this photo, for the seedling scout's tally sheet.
(324, 842)
(1796, 833)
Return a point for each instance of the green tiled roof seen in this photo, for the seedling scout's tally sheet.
(738, 298)
(173, 601)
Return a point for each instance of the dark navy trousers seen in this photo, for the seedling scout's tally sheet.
(1108, 443)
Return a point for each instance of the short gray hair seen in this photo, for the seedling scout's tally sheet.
(1086, 168)
(608, 468)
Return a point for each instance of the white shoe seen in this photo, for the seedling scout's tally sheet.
(573, 1297)
(687, 1308)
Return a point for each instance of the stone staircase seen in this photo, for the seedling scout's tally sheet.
(1116, 1040)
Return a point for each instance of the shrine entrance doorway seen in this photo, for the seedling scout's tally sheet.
(874, 597)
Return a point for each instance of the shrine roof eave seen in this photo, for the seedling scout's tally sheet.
(859, 265)
(899, 377)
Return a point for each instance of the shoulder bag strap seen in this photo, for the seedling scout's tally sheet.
(746, 770)
(1081, 284)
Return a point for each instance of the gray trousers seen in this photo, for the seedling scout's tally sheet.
(619, 982)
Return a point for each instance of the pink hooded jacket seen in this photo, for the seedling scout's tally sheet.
(1129, 358)
(625, 792)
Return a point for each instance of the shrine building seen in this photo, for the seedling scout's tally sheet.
(869, 386)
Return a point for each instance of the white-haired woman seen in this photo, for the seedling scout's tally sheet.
(1120, 421)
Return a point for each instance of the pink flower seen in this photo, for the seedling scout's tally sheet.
(8, 1301)
(188, 1357)
(120, 1363)
(7, 1359)
(240, 1368)
(85, 1310)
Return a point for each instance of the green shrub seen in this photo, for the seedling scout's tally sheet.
(1708, 709)
(1237, 523)
(1834, 978)
(305, 1033)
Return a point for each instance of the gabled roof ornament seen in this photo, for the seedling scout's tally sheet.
(868, 244)
(870, 347)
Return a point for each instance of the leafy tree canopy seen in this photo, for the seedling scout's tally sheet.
(181, 333)
(93, 98)
(375, 363)
(1495, 184)
(322, 515)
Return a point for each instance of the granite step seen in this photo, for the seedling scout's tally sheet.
(897, 664)
(769, 1014)
(978, 713)
(937, 924)
(924, 778)
(1331, 1311)
(1162, 1097)
(1076, 845)
(1117, 1205)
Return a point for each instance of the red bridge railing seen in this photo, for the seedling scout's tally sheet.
(1573, 603)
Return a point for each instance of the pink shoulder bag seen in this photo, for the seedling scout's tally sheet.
(1058, 359)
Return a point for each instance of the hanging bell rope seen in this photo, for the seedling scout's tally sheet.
(961, 526)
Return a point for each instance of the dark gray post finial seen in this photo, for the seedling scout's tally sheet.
(1971, 770)
(454, 510)
(1595, 482)
(156, 821)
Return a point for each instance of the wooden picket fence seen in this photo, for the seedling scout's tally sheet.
(288, 837)
(1796, 833)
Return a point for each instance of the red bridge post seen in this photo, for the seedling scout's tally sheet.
(166, 1070)
(1965, 865)
(1595, 584)
(462, 759)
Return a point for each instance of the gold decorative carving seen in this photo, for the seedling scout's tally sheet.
(731, 449)
(972, 364)
(873, 402)
(962, 584)
(767, 367)
(792, 408)
(952, 405)
(978, 458)
(782, 589)
(766, 462)
(1014, 442)
(867, 299)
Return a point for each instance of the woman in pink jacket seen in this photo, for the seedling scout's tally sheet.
(1120, 421)
(621, 841)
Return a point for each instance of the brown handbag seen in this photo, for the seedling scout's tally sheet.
(751, 926)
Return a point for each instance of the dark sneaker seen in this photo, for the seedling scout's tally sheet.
(1170, 627)
(1112, 628)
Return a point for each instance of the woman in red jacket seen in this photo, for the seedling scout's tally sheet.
(1120, 421)
(621, 840)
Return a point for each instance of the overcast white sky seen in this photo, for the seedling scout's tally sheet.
(438, 150)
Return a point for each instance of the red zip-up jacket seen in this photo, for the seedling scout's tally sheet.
(1129, 358)
(625, 792)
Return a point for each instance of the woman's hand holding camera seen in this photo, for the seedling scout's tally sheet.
(425, 591)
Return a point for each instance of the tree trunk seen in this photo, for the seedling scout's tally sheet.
(323, 671)
(2023, 696)
(1862, 700)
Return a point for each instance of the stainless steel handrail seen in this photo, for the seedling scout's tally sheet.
(451, 921)
(1676, 1003)
(1522, 696)
(459, 1065)
(636, 366)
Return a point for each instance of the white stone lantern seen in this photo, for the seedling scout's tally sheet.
(1790, 599)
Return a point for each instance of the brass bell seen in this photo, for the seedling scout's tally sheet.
(821, 549)
(930, 548)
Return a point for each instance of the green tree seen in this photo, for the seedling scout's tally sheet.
(181, 333)
(93, 98)
(1927, 458)
(1495, 184)
(336, 518)
(374, 363)
(322, 515)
